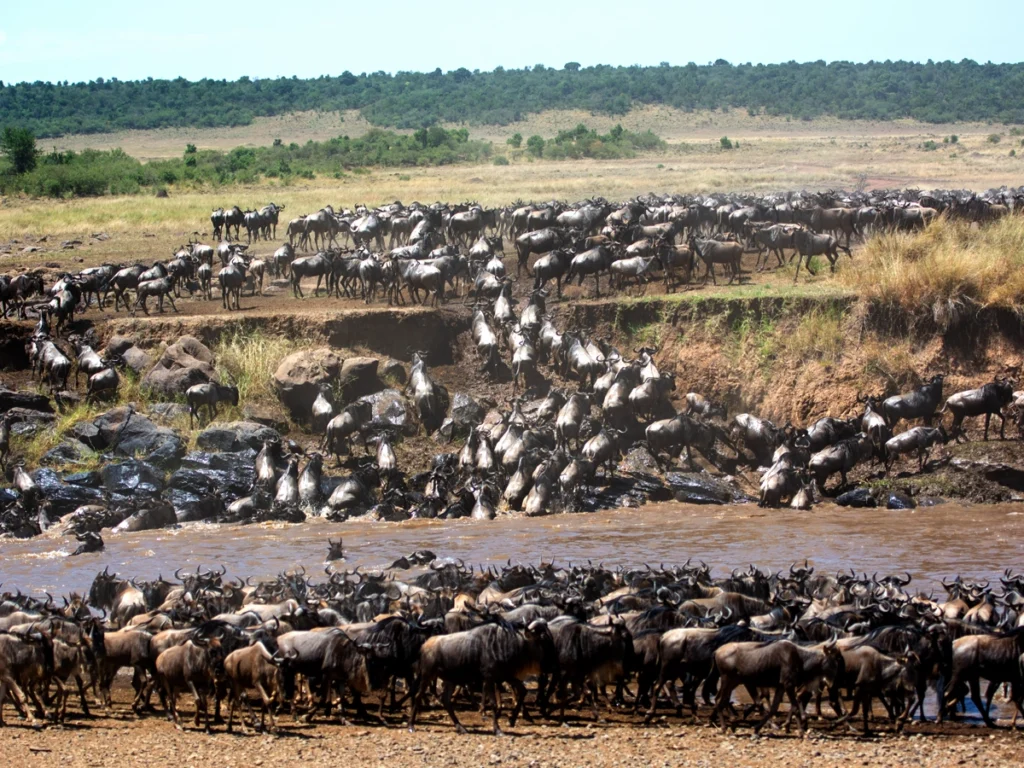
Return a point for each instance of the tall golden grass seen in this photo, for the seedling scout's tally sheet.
(944, 274)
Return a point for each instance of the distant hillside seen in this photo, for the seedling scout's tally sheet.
(932, 92)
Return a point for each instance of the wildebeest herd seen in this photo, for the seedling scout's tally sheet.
(585, 636)
(433, 248)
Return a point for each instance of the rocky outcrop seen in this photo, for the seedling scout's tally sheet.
(183, 364)
(300, 376)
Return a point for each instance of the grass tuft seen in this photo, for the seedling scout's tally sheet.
(945, 274)
(249, 359)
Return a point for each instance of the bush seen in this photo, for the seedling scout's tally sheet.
(994, 138)
(725, 143)
(515, 140)
(953, 139)
(929, 146)
(535, 145)
(501, 160)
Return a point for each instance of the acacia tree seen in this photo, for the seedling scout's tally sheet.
(19, 145)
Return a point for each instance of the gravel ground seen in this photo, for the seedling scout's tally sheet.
(125, 740)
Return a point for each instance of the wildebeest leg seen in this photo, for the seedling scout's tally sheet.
(722, 700)
(447, 689)
(497, 709)
(776, 700)
(975, 684)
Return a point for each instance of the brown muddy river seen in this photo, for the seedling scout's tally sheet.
(931, 543)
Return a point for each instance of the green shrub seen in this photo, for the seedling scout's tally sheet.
(725, 143)
(501, 160)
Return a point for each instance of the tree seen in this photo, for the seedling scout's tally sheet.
(535, 145)
(572, 66)
(515, 140)
(19, 145)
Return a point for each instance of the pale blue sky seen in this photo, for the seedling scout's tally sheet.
(79, 40)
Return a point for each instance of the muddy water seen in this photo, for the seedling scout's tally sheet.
(931, 543)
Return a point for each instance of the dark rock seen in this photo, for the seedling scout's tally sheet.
(235, 436)
(300, 376)
(140, 437)
(131, 478)
(27, 429)
(88, 479)
(67, 399)
(25, 416)
(232, 474)
(639, 459)
(393, 371)
(266, 417)
(898, 500)
(168, 454)
(167, 411)
(858, 498)
(183, 364)
(359, 377)
(118, 345)
(63, 498)
(699, 488)
(89, 434)
(466, 412)
(997, 472)
(390, 412)
(137, 360)
(650, 487)
(67, 452)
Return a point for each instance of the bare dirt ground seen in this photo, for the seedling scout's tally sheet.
(618, 740)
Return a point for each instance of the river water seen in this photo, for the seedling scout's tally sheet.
(931, 543)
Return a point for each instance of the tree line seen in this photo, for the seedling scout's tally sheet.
(932, 91)
(23, 168)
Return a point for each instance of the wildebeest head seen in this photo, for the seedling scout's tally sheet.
(103, 589)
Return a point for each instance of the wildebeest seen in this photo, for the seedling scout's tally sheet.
(781, 665)
(919, 404)
(493, 654)
(987, 400)
(208, 395)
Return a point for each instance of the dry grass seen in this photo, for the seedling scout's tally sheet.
(250, 360)
(944, 274)
(817, 335)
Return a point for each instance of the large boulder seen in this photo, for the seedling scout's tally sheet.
(132, 477)
(359, 377)
(300, 376)
(183, 364)
(235, 436)
(63, 498)
(140, 437)
(118, 345)
(466, 413)
(66, 452)
(32, 401)
(391, 413)
(137, 360)
(25, 422)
